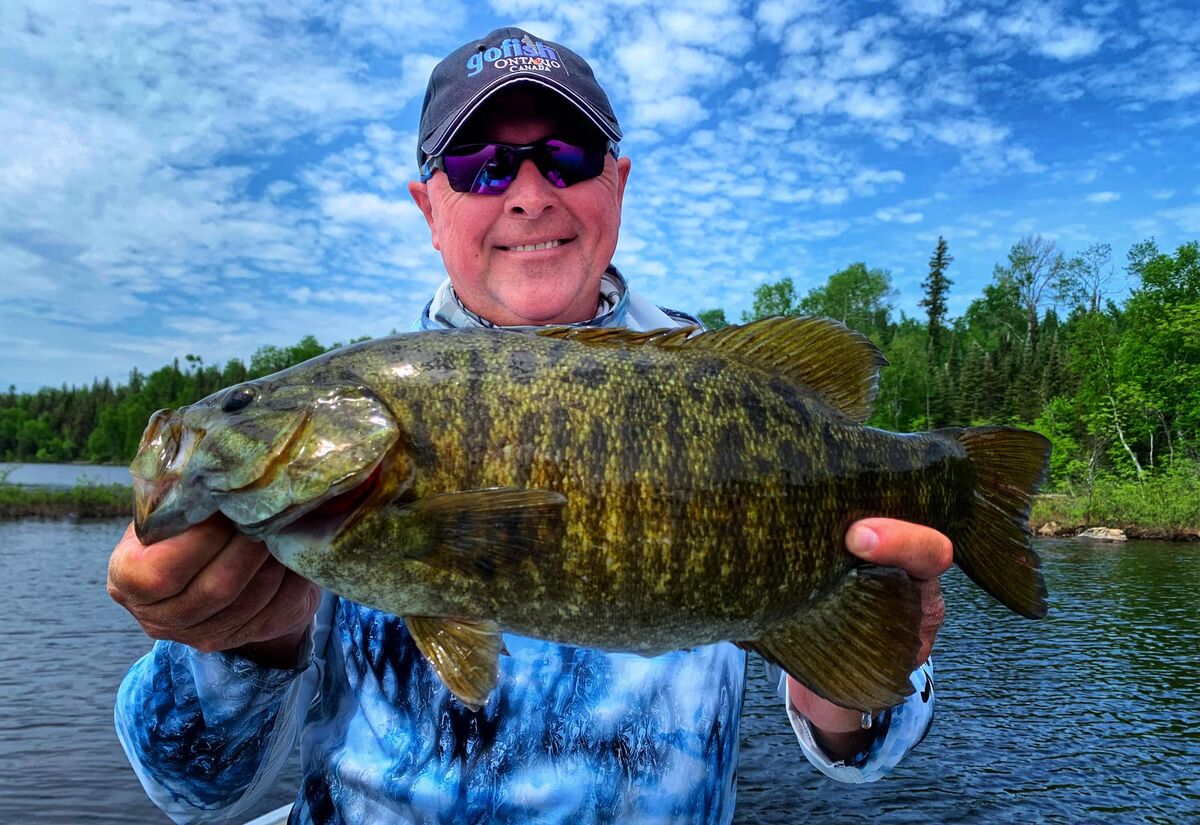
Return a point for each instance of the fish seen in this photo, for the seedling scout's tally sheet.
(625, 491)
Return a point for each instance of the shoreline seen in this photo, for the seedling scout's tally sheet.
(1054, 530)
(81, 501)
(116, 501)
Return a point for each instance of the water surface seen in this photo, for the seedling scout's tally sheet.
(1088, 715)
(64, 475)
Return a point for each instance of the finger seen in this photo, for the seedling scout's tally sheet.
(290, 609)
(933, 613)
(141, 574)
(922, 551)
(222, 629)
(228, 579)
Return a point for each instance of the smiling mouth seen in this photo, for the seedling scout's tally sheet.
(537, 247)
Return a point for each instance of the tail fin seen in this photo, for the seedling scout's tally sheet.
(994, 546)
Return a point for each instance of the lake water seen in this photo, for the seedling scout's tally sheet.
(1091, 714)
(64, 475)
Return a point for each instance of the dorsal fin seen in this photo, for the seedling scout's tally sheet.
(839, 364)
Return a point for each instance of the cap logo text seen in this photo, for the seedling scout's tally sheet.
(514, 55)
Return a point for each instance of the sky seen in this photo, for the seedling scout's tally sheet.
(211, 177)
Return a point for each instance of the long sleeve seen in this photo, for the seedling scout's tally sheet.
(899, 730)
(207, 733)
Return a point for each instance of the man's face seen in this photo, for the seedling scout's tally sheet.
(480, 236)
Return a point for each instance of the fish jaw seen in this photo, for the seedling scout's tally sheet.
(162, 507)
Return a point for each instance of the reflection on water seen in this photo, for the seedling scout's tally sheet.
(1091, 713)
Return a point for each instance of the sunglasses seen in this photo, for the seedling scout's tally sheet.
(489, 168)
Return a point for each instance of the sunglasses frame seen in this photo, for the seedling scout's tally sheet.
(523, 151)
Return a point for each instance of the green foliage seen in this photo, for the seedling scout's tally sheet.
(778, 298)
(1170, 501)
(87, 499)
(713, 318)
(860, 298)
(273, 359)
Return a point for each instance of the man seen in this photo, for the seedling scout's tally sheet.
(522, 186)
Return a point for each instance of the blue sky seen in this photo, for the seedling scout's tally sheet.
(209, 177)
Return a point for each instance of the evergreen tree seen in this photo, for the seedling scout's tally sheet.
(936, 286)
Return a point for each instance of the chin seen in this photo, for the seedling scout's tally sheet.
(548, 306)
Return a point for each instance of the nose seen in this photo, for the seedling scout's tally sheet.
(530, 194)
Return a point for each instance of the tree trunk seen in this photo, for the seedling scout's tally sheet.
(1117, 421)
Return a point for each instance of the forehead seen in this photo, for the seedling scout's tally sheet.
(524, 114)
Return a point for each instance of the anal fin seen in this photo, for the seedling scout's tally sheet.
(856, 646)
(464, 654)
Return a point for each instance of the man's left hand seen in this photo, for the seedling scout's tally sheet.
(925, 554)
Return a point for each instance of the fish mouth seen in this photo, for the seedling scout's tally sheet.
(328, 517)
(166, 446)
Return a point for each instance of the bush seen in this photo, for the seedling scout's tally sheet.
(87, 499)
(1169, 501)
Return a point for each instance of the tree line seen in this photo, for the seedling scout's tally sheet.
(103, 424)
(1114, 385)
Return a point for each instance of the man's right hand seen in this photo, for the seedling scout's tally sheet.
(212, 588)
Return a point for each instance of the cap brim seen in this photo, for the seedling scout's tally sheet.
(441, 136)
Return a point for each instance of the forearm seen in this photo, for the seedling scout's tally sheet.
(205, 732)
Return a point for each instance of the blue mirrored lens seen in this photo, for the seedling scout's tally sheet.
(489, 168)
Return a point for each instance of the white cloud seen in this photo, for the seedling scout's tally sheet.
(925, 8)
(1070, 42)
(1186, 217)
(1042, 28)
(1103, 197)
(367, 207)
(894, 214)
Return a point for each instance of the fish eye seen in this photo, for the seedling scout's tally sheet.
(238, 400)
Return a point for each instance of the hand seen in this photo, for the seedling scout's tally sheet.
(925, 554)
(214, 589)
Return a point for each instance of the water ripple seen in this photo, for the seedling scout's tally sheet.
(1090, 714)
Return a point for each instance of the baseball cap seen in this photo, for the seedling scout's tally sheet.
(477, 70)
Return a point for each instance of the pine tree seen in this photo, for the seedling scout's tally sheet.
(936, 285)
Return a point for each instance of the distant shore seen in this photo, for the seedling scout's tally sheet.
(1056, 515)
(80, 501)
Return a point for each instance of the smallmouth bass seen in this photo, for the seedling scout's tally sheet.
(629, 491)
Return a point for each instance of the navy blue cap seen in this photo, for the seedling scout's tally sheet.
(475, 71)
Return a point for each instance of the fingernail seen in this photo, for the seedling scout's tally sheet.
(863, 540)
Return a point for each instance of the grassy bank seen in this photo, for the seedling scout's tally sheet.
(80, 501)
(1166, 506)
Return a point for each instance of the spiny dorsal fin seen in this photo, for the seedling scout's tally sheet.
(839, 364)
(620, 336)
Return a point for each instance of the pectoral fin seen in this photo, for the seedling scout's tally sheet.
(488, 532)
(471, 532)
(464, 654)
(857, 646)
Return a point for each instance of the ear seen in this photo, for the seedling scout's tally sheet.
(623, 166)
(420, 195)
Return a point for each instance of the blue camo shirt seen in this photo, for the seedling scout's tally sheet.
(571, 735)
